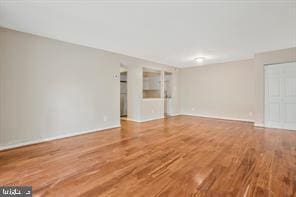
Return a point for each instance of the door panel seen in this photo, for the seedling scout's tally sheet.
(280, 96)
(290, 86)
(289, 95)
(290, 109)
(274, 89)
(274, 113)
(273, 97)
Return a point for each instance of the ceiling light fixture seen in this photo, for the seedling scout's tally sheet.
(199, 59)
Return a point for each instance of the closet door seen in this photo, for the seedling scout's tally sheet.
(280, 96)
(289, 95)
(273, 96)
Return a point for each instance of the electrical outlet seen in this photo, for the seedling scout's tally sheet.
(152, 110)
(192, 109)
(105, 118)
(250, 114)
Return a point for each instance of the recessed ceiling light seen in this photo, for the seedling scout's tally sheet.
(199, 59)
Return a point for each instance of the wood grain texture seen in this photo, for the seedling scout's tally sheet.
(178, 156)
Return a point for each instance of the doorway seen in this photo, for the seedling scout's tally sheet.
(280, 96)
(123, 93)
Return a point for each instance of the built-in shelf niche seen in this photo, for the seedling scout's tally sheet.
(151, 83)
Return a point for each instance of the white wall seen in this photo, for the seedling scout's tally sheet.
(152, 109)
(50, 88)
(220, 90)
(176, 92)
(134, 90)
(229, 90)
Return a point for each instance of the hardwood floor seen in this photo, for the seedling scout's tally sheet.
(179, 156)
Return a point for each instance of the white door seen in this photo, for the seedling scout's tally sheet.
(280, 96)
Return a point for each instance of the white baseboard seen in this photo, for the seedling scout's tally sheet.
(133, 120)
(145, 120)
(259, 124)
(197, 115)
(174, 114)
(219, 117)
(20, 144)
(149, 119)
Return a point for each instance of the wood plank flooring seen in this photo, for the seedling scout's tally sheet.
(178, 156)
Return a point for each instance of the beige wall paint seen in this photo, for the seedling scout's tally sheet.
(229, 90)
(220, 90)
(50, 88)
(261, 59)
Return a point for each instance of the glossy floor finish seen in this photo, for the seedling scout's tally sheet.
(178, 156)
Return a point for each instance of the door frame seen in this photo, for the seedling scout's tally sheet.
(265, 93)
(265, 97)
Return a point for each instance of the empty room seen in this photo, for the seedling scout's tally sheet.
(142, 98)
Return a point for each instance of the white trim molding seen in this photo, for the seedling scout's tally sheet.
(259, 124)
(145, 120)
(219, 117)
(133, 120)
(150, 119)
(174, 115)
(37, 141)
